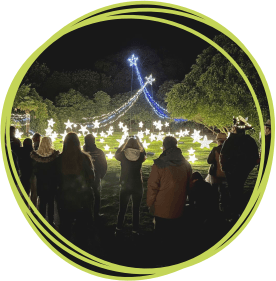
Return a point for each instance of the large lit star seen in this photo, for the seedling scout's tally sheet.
(205, 142)
(132, 60)
(51, 122)
(150, 79)
(147, 132)
(145, 144)
(106, 147)
(110, 155)
(121, 125)
(192, 158)
(141, 124)
(101, 140)
(83, 129)
(180, 134)
(196, 136)
(53, 136)
(96, 124)
(186, 132)
(152, 137)
(64, 135)
(167, 124)
(191, 151)
(69, 124)
(159, 137)
(102, 134)
(49, 131)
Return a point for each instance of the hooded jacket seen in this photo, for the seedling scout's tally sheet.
(131, 164)
(168, 184)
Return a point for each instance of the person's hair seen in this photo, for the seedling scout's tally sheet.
(28, 143)
(133, 143)
(196, 176)
(45, 147)
(89, 141)
(36, 137)
(72, 156)
(169, 142)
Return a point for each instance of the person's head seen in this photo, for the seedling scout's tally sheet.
(267, 127)
(12, 131)
(240, 125)
(132, 143)
(45, 147)
(89, 141)
(169, 142)
(221, 138)
(36, 140)
(27, 143)
(72, 155)
(196, 176)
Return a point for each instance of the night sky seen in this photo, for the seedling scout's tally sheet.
(81, 48)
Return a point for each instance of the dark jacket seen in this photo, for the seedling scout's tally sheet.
(99, 161)
(45, 171)
(131, 167)
(26, 166)
(239, 153)
(75, 190)
(168, 184)
(213, 159)
(15, 145)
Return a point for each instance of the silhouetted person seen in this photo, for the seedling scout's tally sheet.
(131, 155)
(15, 142)
(267, 141)
(76, 180)
(36, 140)
(239, 155)
(100, 167)
(45, 171)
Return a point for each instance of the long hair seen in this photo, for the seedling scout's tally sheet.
(45, 148)
(133, 143)
(72, 156)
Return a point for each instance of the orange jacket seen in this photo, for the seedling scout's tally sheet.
(167, 189)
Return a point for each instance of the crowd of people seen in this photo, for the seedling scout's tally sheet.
(73, 179)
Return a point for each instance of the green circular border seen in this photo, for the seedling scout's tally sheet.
(66, 245)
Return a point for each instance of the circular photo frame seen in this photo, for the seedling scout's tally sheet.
(183, 20)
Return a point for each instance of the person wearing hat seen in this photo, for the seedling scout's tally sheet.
(216, 177)
(238, 156)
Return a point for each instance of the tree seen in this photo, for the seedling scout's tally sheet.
(102, 102)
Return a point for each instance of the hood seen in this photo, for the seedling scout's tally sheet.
(89, 148)
(132, 154)
(47, 159)
(170, 157)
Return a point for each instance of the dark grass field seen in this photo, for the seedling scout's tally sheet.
(143, 251)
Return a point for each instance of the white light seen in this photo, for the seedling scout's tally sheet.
(64, 135)
(101, 140)
(18, 134)
(125, 129)
(94, 134)
(140, 134)
(192, 158)
(121, 125)
(51, 122)
(110, 155)
(186, 132)
(111, 128)
(110, 132)
(159, 137)
(102, 134)
(68, 124)
(147, 132)
(152, 137)
(96, 124)
(75, 125)
(106, 147)
(49, 131)
(83, 129)
(180, 134)
(196, 136)
(154, 123)
(53, 136)
(167, 124)
(150, 79)
(78, 134)
(141, 124)
(170, 135)
(159, 126)
(191, 151)
(145, 144)
(205, 142)
(132, 60)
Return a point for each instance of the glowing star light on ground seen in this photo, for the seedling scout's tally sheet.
(205, 142)
(51, 122)
(180, 134)
(140, 134)
(109, 132)
(159, 137)
(141, 124)
(64, 135)
(96, 124)
(106, 147)
(186, 132)
(125, 129)
(121, 125)
(49, 131)
(191, 151)
(101, 140)
(102, 134)
(196, 136)
(18, 134)
(192, 158)
(159, 125)
(152, 137)
(110, 155)
(167, 124)
(147, 132)
(69, 124)
(83, 129)
(145, 144)
(53, 136)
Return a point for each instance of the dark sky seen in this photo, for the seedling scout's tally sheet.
(81, 48)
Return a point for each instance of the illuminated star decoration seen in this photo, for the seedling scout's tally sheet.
(159, 137)
(167, 124)
(51, 122)
(159, 125)
(132, 60)
(191, 151)
(180, 134)
(109, 132)
(186, 132)
(53, 136)
(140, 135)
(49, 131)
(75, 125)
(111, 128)
(102, 134)
(83, 129)
(121, 125)
(141, 124)
(110, 155)
(64, 135)
(147, 132)
(150, 79)
(152, 137)
(205, 142)
(154, 123)
(96, 124)
(196, 136)
(125, 129)
(192, 158)
(145, 144)
(94, 134)
(18, 134)
(69, 124)
(106, 147)
(101, 140)
(170, 135)
(78, 134)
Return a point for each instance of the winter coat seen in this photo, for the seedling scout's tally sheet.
(239, 154)
(99, 161)
(45, 171)
(168, 184)
(213, 159)
(75, 190)
(131, 167)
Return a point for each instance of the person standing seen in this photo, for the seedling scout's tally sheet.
(238, 156)
(131, 155)
(168, 186)
(36, 140)
(267, 141)
(15, 142)
(100, 168)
